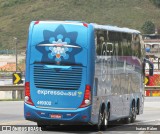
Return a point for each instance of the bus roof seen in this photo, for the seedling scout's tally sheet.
(96, 26)
(115, 28)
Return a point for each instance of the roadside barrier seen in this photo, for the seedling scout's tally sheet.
(152, 91)
(13, 92)
(17, 91)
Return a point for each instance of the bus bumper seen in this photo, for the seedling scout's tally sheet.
(77, 116)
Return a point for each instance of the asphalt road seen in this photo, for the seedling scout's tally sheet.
(11, 113)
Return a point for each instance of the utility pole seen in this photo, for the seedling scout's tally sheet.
(16, 53)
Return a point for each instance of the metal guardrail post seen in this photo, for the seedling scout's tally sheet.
(150, 92)
(17, 91)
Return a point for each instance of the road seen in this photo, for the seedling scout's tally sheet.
(11, 113)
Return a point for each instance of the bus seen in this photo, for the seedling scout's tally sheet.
(83, 73)
(152, 46)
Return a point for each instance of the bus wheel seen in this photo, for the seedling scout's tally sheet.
(102, 120)
(105, 116)
(137, 107)
(127, 120)
(43, 127)
(133, 113)
(132, 116)
(98, 126)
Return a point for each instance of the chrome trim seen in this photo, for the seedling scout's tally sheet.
(56, 108)
(59, 45)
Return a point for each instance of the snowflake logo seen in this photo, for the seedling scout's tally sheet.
(59, 50)
(58, 44)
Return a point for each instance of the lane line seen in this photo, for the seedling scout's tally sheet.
(151, 108)
(17, 122)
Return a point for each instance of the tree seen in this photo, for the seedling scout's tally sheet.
(156, 2)
(148, 27)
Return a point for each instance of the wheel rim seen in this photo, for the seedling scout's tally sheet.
(106, 119)
(105, 122)
(100, 119)
(133, 113)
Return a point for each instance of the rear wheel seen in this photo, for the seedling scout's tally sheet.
(103, 120)
(98, 126)
(105, 116)
(133, 113)
(137, 107)
(42, 125)
(127, 120)
(132, 116)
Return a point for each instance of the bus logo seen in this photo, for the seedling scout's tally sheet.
(59, 49)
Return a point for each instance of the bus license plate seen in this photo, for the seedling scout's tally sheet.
(56, 116)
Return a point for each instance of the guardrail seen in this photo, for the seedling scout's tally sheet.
(152, 91)
(12, 88)
(17, 91)
(12, 92)
(152, 88)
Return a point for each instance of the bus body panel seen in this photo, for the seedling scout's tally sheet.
(62, 61)
(58, 70)
(81, 115)
(49, 81)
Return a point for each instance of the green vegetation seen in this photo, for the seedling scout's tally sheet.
(156, 2)
(148, 27)
(16, 15)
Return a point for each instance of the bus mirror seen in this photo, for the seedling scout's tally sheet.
(151, 67)
(143, 67)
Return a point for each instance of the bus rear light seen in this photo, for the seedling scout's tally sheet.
(28, 114)
(87, 97)
(37, 22)
(27, 98)
(85, 24)
(84, 117)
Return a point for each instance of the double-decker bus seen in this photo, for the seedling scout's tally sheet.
(152, 46)
(83, 73)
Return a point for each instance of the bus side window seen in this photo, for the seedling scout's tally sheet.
(101, 43)
(126, 44)
(136, 51)
(112, 43)
(103, 46)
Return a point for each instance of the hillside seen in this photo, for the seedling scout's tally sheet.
(15, 15)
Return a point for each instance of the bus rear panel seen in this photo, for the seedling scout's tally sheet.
(58, 86)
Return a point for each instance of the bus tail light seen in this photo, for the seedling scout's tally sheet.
(37, 22)
(28, 99)
(87, 97)
(85, 24)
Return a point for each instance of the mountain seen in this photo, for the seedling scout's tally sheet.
(16, 15)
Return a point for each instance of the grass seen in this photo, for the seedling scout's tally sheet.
(15, 15)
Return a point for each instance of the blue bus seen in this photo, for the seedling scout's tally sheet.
(83, 73)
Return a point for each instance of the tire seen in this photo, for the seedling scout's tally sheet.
(43, 127)
(127, 120)
(104, 124)
(133, 113)
(102, 120)
(137, 107)
(132, 117)
(98, 126)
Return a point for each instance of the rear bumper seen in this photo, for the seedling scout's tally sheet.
(78, 116)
